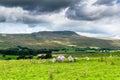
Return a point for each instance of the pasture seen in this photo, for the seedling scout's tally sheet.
(99, 67)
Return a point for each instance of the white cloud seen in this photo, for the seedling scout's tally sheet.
(12, 14)
(94, 35)
(19, 15)
(13, 28)
(20, 28)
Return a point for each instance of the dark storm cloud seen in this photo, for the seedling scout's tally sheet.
(80, 14)
(91, 11)
(28, 11)
(80, 11)
(83, 10)
(39, 5)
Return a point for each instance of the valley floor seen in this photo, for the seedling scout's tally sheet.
(97, 68)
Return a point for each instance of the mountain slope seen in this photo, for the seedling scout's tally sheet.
(54, 39)
(55, 34)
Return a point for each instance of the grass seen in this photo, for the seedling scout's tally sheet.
(97, 68)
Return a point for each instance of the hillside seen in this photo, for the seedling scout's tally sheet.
(55, 34)
(54, 39)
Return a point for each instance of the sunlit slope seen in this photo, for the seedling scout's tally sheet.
(55, 39)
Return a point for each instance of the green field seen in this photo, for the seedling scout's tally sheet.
(99, 67)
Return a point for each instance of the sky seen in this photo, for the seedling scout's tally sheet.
(93, 18)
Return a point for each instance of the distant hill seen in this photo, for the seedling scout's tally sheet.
(55, 34)
(54, 39)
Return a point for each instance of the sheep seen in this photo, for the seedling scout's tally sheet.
(70, 59)
(53, 60)
(87, 58)
(60, 58)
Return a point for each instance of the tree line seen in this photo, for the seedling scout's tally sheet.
(22, 52)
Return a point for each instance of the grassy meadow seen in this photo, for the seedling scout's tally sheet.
(99, 67)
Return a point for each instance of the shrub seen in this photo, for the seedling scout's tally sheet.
(3, 55)
(21, 57)
(49, 55)
(7, 58)
(30, 57)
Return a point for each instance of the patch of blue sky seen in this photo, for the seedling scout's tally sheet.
(118, 1)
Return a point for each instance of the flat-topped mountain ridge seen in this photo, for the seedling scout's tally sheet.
(55, 34)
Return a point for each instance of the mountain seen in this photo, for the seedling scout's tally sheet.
(54, 39)
(55, 34)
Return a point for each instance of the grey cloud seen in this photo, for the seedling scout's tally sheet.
(27, 11)
(30, 10)
(105, 2)
(2, 19)
(31, 19)
(18, 15)
(90, 12)
(39, 5)
(80, 14)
